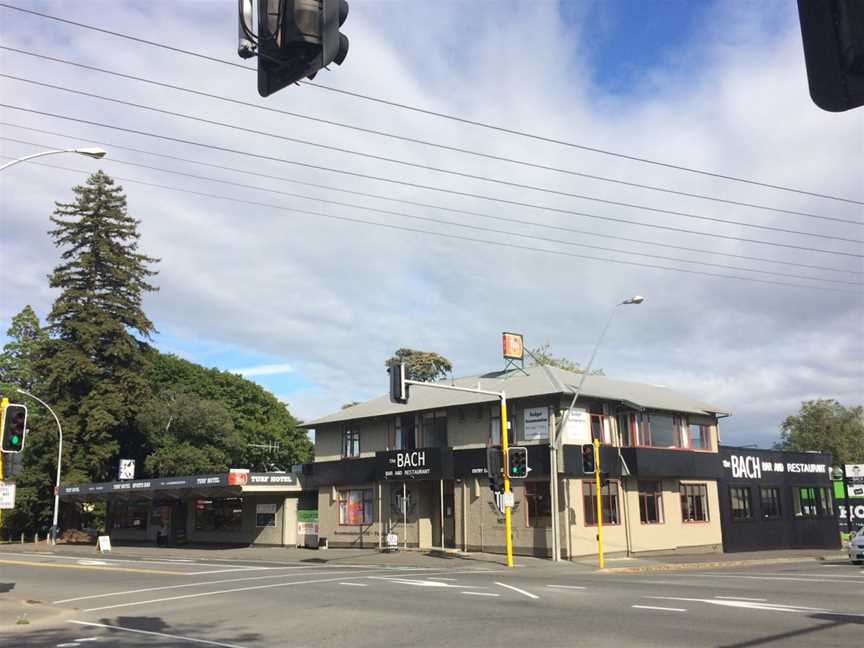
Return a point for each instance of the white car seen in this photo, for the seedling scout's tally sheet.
(856, 547)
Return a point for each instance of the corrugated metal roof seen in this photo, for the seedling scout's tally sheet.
(519, 385)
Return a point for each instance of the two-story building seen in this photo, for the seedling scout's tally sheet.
(418, 470)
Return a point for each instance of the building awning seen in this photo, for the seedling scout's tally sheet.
(230, 484)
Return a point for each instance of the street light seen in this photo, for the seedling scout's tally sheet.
(91, 152)
(555, 447)
(59, 462)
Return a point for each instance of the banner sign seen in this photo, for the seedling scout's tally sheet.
(536, 423)
(577, 430)
(272, 479)
(854, 474)
(512, 346)
(127, 469)
(234, 478)
(420, 464)
(741, 463)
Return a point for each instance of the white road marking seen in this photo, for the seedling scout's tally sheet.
(574, 587)
(354, 584)
(157, 634)
(741, 598)
(442, 578)
(169, 587)
(750, 605)
(68, 645)
(655, 607)
(516, 589)
(480, 593)
(826, 579)
(418, 583)
(92, 562)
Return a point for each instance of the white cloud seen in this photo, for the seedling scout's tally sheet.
(336, 298)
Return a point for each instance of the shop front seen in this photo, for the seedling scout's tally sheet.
(237, 508)
(776, 500)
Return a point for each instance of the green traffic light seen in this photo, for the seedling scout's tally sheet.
(15, 439)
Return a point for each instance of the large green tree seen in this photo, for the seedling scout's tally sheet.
(425, 366)
(828, 426)
(95, 367)
(27, 341)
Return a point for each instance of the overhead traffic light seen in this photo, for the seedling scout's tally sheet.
(398, 386)
(294, 39)
(588, 466)
(833, 35)
(13, 428)
(517, 463)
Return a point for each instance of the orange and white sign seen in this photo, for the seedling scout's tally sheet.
(238, 476)
(513, 347)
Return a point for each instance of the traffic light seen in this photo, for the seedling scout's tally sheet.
(398, 386)
(13, 428)
(833, 35)
(496, 484)
(517, 463)
(588, 458)
(295, 39)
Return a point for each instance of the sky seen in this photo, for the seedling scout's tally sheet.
(310, 305)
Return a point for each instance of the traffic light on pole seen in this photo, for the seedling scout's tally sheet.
(517, 463)
(13, 428)
(398, 386)
(295, 39)
(588, 466)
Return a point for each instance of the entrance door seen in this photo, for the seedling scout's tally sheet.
(449, 516)
(178, 523)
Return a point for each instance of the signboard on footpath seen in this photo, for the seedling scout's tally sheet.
(7, 495)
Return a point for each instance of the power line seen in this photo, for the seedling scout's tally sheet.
(113, 145)
(429, 187)
(455, 236)
(460, 225)
(442, 115)
(426, 167)
(437, 145)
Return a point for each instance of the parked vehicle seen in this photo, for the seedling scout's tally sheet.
(856, 547)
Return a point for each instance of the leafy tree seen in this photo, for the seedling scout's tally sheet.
(544, 355)
(188, 435)
(424, 366)
(257, 415)
(825, 425)
(95, 366)
(20, 355)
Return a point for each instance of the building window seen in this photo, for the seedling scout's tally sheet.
(601, 428)
(634, 429)
(129, 515)
(651, 502)
(406, 438)
(539, 504)
(664, 431)
(700, 437)
(355, 507)
(608, 500)
(694, 502)
(219, 514)
(434, 430)
(739, 501)
(351, 443)
(770, 500)
(495, 426)
(265, 515)
(811, 501)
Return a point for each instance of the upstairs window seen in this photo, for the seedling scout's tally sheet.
(699, 436)
(350, 443)
(665, 431)
(434, 429)
(405, 434)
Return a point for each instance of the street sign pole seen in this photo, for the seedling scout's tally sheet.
(600, 560)
(508, 501)
(3, 403)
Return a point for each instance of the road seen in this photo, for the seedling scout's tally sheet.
(127, 600)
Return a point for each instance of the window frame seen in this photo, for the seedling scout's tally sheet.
(822, 505)
(775, 499)
(532, 501)
(350, 443)
(218, 506)
(610, 496)
(685, 491)
(744, 495)
(121, 518)
(656, 495)
(343, 497)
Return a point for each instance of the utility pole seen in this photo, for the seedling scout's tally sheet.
(3, 403)
(600, 560)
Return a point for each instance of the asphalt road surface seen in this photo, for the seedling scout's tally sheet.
(127, 601)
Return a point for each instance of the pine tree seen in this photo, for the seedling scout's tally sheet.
(96, 365)
(21, 353)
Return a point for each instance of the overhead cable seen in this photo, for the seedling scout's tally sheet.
(454, 210)
(442, 115)
(456, 236)
(438, 145)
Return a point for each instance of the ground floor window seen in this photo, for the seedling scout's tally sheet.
(219, 514)
(739, 501)
(355, 506)
(651, 502)
(770, 501)
(265, 515)
(608, 499)
(811, 501)
(694, 502)
(539, 504)
(129, 515)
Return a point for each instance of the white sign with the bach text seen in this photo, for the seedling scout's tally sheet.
(753, 467)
